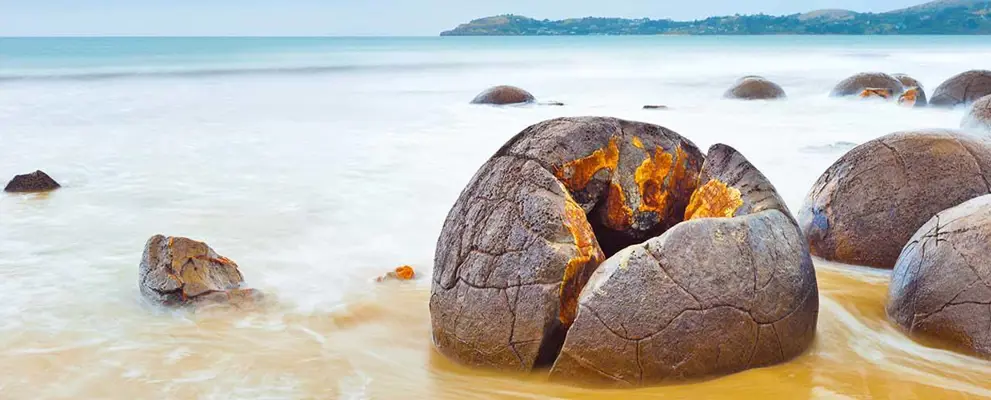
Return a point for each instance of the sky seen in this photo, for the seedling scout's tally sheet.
(355, 17)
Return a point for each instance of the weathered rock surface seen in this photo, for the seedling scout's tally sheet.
(535, 221)
(857, 84)
(36, 181)
(755, 88)
(919, 95)
(962, 89)
(941, 286)
(178, 271)
(868, 204)
(979, 115)
(500, 95)
(730, 289)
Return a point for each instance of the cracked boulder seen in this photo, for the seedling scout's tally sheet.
(536, 220)
(755, 88)
(859, 84)
(962, 89)
(731, 288)
(500, 95)
(979, 115)
(36, 181)
(941, 287)
(916, 97)
(868, 204)
(180, 271)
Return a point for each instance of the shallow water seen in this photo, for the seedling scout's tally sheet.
(318, 164)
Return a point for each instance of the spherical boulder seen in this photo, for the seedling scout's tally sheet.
(179, 271)
(500, 95)
(941, 287)
(755, 88)
(731, 288)
(533, 223)
(917, 97)
(857, 85)
(36, 181)
(979, 115)
(962, 89)
(867, 205)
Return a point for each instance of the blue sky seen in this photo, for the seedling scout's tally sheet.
(354, 17)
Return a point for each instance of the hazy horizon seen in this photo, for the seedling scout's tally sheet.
(338, 18)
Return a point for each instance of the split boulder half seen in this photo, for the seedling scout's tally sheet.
(962, 89)
(502, 95)
(915, 93)
(36, 181)
(178, 271)
(869, 84)
(870, 202)
(539, 218)
(755, 88)
(941, 286)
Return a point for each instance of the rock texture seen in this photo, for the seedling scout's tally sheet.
(979, 115)
(36, 181)
(941, 286)
(919, 95)
(501, 95)
(857, 84)
(537, 219)
(178, 271)
(755, 88)
(868, 204)
(730, 289)
(962, 89)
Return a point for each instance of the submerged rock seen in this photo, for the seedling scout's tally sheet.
(500, 95)
(179, 271)
(731, 288)
(917, 97)
(402, 273)
(559, 198)
(962, 89)
(868, 204)
(979, 115)
(941, 286)
(857, 84)
(36, 181)
(655, 107)
(755, 88)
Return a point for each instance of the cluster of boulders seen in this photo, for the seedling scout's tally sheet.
(615, 252)
(917, 202)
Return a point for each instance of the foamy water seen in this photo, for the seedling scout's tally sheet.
(318, 164)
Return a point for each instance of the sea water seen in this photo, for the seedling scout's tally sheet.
(320, 163)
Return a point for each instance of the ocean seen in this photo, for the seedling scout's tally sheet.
(320, 163)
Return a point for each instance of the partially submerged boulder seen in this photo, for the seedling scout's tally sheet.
(755, 88)
(979, 115)
(916, 97)
(501, 95)
(868, 204)
(941, 286)
(180, 271)
(563, 195)
(731, 288)
(36, 181)
(962, 89)
(857, 85)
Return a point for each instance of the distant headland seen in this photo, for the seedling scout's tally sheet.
(941, 17)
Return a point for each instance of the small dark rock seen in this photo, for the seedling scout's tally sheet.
(654, 107)
(36, 181)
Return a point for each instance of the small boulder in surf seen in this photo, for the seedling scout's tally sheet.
(179, 271)
(36, 181)
(755, 88)
(500, 95)
(916, 98)
(857, 85)
(962, 89)
(867, 205)
(940, 288)
(979, 115)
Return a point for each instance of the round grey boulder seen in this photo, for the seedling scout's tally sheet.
(502, 95)
(962, 89)
(755, 88)
(858, 84)
(979, 115)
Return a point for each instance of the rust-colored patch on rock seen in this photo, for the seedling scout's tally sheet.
(636, 142)
(402, 273)
(576, 174)
(650, 177)
(589, 255)
(713, 200)
(618, 213)
(876, 92)
(909, 98)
